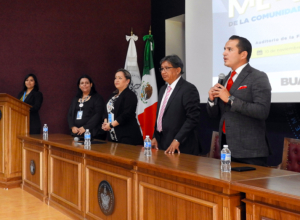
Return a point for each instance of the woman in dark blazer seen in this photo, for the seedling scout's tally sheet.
(86, 109)
(32, 96)
(120, 109)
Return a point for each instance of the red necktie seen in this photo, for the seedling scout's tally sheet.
(228, 87)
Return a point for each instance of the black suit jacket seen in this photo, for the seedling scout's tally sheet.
(128, 131)
(245, 118)
(95, 122)
(181, 118)
(35, 99)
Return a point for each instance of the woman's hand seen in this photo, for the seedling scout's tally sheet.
(75, 130)
(81, 131)
(105, 125)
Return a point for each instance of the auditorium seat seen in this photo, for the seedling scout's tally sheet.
(291, 155)
(215, 146)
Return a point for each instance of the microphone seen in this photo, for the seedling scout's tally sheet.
(220, 81)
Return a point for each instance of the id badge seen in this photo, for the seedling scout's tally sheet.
(79, 115)
(110, 118)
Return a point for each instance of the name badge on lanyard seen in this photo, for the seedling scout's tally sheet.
(110, 118)
(24, 96)
(79, 115)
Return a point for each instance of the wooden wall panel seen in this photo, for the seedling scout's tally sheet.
(37, 183)
(160, 203)
(259, 208)
(165, 199)
(65, 190)
(121, 181)
(65, 181)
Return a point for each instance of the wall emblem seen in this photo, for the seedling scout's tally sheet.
(32, 167)
(106, 198)
(146, 92)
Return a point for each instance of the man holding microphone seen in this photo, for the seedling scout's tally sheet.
(244, 99)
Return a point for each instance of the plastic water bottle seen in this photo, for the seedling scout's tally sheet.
(87, 139)
(45, 131)
(147, 146)
(225, 159)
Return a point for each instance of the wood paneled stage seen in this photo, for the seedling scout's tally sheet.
(67, 176)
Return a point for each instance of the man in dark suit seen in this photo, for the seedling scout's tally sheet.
(178, 111)
(243, 100)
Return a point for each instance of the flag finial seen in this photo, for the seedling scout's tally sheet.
(131, 31)
(150, 30)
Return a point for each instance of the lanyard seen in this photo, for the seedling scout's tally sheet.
(81, 102)
(24, 96)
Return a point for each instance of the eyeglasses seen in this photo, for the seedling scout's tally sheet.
(166, 69)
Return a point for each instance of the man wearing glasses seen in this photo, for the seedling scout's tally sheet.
(178, 111)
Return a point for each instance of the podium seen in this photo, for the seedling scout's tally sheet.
(14, 121)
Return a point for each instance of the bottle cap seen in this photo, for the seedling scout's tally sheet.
(147, 136)
(87, 130)
(45, 124)
(225, 146)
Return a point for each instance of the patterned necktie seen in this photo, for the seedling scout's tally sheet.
(159, 125)
(228, 87)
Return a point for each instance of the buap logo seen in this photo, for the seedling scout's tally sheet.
(290, 81)
(106, 198)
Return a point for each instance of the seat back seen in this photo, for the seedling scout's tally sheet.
(215, 146)
(291, 155)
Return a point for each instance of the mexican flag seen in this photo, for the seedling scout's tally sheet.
(147, 98)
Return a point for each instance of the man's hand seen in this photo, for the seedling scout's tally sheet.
(174, 146)
(154, 143)
(220, 91)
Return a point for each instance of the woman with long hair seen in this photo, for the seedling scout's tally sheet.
(86, 109)
(32, 96)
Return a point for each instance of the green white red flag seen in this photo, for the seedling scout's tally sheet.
(147, 97)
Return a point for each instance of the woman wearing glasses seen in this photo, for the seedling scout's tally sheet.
(32, 96)
(86, 109)
(121, 123)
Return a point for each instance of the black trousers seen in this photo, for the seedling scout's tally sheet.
(260, 161)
